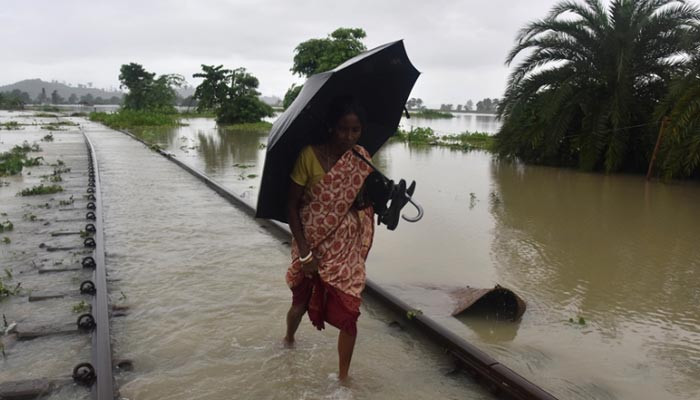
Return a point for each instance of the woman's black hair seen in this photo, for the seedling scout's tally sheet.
(338, 108)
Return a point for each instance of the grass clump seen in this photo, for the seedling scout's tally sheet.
(41, 189)
(433, 114)
(7, 290)
(12, 162)
(6, 226)
(125, 119)
(45, 115)
(258, 127)
(10, 125)
(464, 141)
(81, 307)
(47, 138)
(197, 114)
(416, 136)
(471, 141)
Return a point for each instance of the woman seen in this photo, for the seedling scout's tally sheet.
(332, 230)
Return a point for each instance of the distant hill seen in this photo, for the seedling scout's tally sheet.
(271, 100)
(34, 86)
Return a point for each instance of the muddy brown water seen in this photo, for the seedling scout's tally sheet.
(614, 252)
(207, 303)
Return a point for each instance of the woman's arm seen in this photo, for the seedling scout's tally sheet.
(293, 206)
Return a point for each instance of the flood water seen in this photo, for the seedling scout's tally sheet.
(615, 252)
(207, 296)
(460, 123)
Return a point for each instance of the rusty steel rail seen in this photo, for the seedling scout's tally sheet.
(102, 380)
(494, 376)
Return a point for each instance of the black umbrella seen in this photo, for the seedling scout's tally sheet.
(380, 79)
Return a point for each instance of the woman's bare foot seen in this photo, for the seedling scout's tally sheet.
(288, 342)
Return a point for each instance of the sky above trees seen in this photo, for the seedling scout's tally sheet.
(459, 46)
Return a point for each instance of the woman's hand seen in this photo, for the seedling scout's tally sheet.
(310, 268)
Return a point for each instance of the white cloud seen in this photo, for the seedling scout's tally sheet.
(459, 46)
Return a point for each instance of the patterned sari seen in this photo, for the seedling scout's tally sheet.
(340, 237)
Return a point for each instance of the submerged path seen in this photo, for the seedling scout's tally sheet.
(205, 286)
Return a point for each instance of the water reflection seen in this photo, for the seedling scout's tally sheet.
(228, 147)
(620, 252)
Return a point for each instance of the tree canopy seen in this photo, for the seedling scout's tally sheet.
(231, 94)
(319, 55)
(591, 78)
(146, 92)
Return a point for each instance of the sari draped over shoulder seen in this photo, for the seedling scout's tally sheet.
(340, 237)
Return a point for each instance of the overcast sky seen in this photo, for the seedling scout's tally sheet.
(459, 46)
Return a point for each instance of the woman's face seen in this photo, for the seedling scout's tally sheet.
(347, 131)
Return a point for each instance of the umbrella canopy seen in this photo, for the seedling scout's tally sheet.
(380, 80)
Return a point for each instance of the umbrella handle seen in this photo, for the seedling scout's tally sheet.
(418, 207)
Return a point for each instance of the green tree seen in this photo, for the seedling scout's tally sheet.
(585, 92)
(231, 94)
(147, 92)
(41, 98)
(56, 98)
(291, 94)
(87, 99)
(469, 106)
(72, 99)
(14, 100)
(319, 55)
(680, 151)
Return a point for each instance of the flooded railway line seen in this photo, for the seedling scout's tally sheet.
(492, 375)
(55, 336)
(75, 234)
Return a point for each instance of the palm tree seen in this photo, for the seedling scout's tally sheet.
(585, 93)
(680, 155)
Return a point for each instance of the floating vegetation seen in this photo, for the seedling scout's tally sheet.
(45, 115)
(55, 177)
(256, 127)
(66, 202)
(7, 290)
(81, 307)
(465, 141)
(433, 114)
(57, 126)
(48, 108)
(79, 114)
(6, 240)
(6, 226)
(29, 217)
(41, 189)
(33, 161)
(47, 138)
(12, 162)
(125, 119)
(10, 126)
(579, 321)
(413, 313)
(243, 166)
